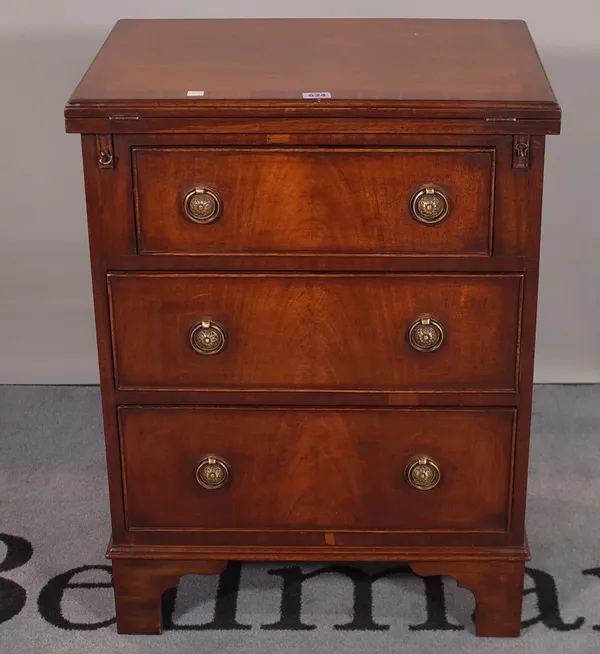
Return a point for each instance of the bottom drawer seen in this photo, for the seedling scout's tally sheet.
(399, 470)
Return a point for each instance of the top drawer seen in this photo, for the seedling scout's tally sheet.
(409, 201)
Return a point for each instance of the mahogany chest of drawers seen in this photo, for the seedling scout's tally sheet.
(314, 247)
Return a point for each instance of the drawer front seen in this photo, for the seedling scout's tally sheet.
(316, 331)
(317, 469)
(314, 200)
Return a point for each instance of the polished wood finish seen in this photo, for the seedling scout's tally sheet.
(513, 238)
(316, 270)
(497, 587)
(140, 584)
(287, 200)
(317, 469)
(316, 331)
(417, 68)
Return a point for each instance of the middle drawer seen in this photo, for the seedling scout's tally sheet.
(315, 332)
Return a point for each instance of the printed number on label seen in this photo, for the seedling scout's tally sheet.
(317, 95)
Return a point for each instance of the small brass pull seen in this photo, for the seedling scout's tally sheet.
(208, 337)
(426, 335)
(212, 472)
(202, 205)
(429, 205)
(106, 158)
(422, 473)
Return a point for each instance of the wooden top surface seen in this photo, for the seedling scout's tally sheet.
(416, 64)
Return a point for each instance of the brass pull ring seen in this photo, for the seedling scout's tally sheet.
(106, 158)
(202, 205)
(212, 472)
(429, 205)
(422, 473)
(426, 334)
(208, 337)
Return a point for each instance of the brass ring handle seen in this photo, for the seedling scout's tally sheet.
(426, 334)
(212, 472)
(208, 337)
(106, 158)
(202, 205)
(422, 473)
(429, 205)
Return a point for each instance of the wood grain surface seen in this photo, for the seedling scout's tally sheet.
(316, 270)
(317, 469)
(316, 331)
(480, 62)
(314, 200)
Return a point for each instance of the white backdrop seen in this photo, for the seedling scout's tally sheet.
(46, 323)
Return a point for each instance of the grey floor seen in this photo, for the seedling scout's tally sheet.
(53, 499)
